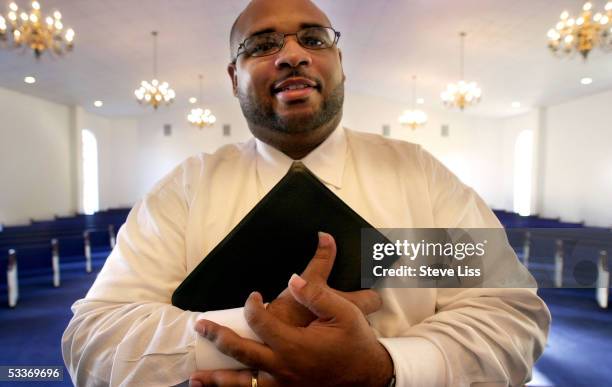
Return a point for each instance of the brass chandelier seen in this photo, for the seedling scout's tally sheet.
(413, 118)
(31, 29)
(155, 93)
(583, 33)
(201, 117)
(462, 93)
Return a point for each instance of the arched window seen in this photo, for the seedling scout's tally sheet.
(90, 171)
(523, 168)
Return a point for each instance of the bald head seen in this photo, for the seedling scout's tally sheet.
(259, 13)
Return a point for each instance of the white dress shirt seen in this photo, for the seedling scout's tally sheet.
(126, 332)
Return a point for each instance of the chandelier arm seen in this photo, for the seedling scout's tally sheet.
(413, 91)
(154, 33)
(462, 59)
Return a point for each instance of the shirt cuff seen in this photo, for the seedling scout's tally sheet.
(417, 361)
(207, 356)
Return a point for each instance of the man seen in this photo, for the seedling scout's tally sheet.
(286, 71)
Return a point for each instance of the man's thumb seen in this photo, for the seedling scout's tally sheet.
(318, 298)
(322, 262)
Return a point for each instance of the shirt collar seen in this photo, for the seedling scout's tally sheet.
(326, 161)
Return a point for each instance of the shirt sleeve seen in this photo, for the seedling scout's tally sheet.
(477, 336)
(125, 331)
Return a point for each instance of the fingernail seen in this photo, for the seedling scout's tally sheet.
(201, 328)
(256, 296)
(324, 239)
(194, 383)
(297, 282)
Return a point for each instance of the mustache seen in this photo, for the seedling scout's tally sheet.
(294, 73)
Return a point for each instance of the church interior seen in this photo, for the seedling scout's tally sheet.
(513, 97)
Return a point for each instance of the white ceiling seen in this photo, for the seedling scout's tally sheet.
(384, 43)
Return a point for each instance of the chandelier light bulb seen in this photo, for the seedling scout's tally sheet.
(587, 6)
(564, 15)
(36, 5)
(13, 7)
(57, 15)
(413, 118)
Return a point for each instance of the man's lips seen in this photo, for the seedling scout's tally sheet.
(294, 88)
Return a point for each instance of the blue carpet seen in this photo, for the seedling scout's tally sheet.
(577, 353)
(32, 331)
(580, 340)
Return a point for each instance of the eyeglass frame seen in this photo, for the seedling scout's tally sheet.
(337, 35)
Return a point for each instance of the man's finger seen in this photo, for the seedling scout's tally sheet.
(319, 299)
(368, 301)
(322, 262)
(248, 352)
(225, 378)
(273, 331)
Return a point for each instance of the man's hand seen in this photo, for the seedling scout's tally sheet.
(287, 309)
(338, 348)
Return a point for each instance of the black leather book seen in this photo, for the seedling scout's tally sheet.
(276, 238)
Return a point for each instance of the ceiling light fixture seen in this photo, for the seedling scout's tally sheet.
(98, 103)
(31, 29)
(201, 117)
(193, 100)
(154, 93)
(413, 118)
(586, 81)
(462, 93)
(29, 80)
(583, 33)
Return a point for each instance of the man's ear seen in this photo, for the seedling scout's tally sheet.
(342, 67)
(231, 70)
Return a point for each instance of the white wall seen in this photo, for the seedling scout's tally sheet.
(578, 160)
(159, 154)
(35, 158)
(471, 150)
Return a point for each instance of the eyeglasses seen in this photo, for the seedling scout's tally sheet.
(269, 43)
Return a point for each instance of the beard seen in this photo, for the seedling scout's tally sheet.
(262, 114)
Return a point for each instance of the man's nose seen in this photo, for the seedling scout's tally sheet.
(292, 54)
